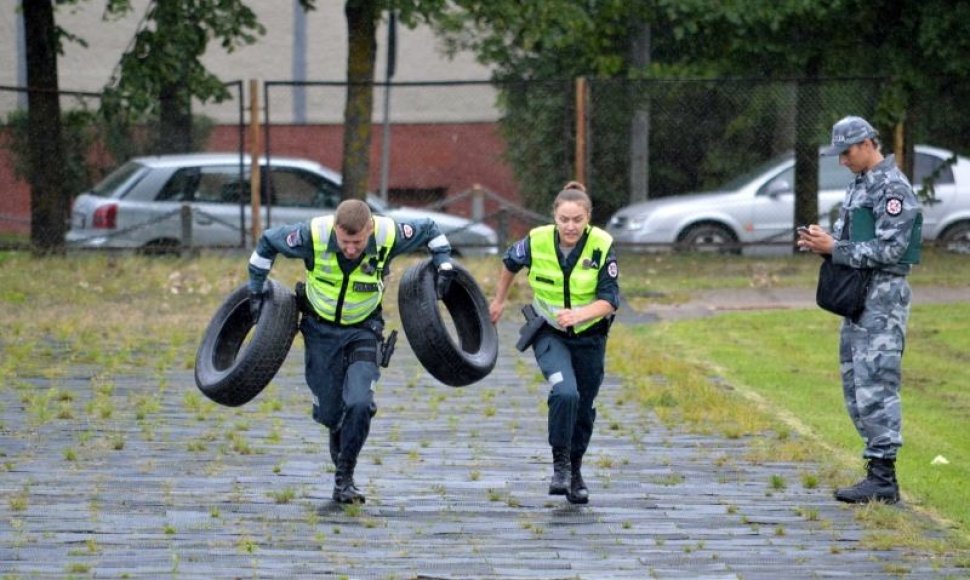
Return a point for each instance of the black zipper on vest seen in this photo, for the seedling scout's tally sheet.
(340, 299)
(568, 272)
(345, 281)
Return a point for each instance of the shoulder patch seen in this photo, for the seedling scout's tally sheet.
(407, 231)
(613, 270)
(294, 239)
(894, 206)
(520, 249)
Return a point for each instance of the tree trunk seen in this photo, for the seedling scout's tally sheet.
(175, 105)
(50, 203)
(640, 123)
(808, 107)
(362, 51)
(174, 120)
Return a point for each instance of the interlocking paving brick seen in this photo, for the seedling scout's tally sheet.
(456, 483)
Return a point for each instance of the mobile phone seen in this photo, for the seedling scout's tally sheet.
(802, 229)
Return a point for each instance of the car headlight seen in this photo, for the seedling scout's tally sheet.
(637, 222)
(628, 222)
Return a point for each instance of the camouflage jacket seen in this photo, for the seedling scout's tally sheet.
(887, 193)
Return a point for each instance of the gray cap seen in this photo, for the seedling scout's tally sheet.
(849, 131)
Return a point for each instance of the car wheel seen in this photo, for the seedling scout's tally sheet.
(956, 238)
(236, 360)
(456, 364)
(708, 237)
(162, 247)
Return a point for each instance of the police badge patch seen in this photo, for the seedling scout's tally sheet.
(612, 270)
(407, 231)
(894, 206)
(294, 239)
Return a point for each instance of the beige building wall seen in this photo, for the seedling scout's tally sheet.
(419, 59)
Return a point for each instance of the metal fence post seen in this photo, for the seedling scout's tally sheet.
(478, 203)
(503, 229)
(185, 214)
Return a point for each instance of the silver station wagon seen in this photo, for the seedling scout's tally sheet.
(757, 209)
(140, 204)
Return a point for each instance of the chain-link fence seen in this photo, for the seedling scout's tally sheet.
(434, 144)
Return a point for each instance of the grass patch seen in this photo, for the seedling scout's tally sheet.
(788, 362)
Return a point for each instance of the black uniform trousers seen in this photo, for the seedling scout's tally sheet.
(573, 367)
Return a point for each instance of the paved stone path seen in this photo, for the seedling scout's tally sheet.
(136, 477)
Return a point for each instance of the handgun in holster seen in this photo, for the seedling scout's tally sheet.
(386, 349)
(529, 331)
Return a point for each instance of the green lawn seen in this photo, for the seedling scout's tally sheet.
(789, 359)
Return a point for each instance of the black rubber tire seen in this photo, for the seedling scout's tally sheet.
(228, 369)
(452, 364)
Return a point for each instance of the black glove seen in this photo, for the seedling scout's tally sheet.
(255, 305)
(446, 273)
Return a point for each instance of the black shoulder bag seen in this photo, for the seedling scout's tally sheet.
(842, 289)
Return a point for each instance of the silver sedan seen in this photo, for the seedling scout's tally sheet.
(140, 205)
(755, 211)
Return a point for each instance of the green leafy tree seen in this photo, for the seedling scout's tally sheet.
(162, 71)
(916, 46)
(548, 44)
(777, 40)
(77, 137)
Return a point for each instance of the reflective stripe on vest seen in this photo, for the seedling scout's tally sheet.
(347, 299)
(549, 282)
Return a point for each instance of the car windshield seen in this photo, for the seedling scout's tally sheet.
(116, 179)
(744, 178)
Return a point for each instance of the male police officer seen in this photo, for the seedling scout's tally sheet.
(346, 257)
(878, 229)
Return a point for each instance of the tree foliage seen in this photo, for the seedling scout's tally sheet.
(549, 44)
(162, 71)
(917, 47)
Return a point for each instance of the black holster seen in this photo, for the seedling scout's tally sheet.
(529, 331)
(385, 348)
(302, 302)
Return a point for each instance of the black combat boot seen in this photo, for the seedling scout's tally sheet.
(560, 471)
(344, 490)
(334, 446)
(879, 485)
(578, 493)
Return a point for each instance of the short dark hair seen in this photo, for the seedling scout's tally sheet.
(352, 215)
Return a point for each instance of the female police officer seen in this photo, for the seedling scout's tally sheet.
(573, 275)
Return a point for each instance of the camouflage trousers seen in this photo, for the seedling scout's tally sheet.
(870, 357)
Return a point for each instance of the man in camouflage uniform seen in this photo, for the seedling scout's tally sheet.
(883, 219)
